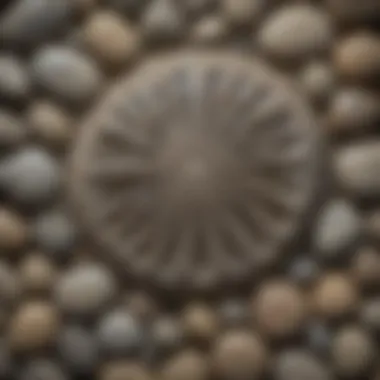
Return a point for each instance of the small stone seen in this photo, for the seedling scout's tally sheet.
(124, 370)
(304, 270)
(209, 29)
(119, 334)
(234, 312)
(319, 338)
(357, 168)
(167, 334)
(83, 6)
(130, 8)
(85, 289)
(335, 295)
(353, 352)
(5, 361)
(373, 225)
(55, 234)
(78, 350)
(13, 231)
(37, 274)
(30, 176)
(366, 267)
(338, 228)
(187, 365)
(370, 314)
(112, 40)
(50, 124)
(296, 32)
(279, 309)
(358, 57)
(354, 11)
(299, 365)
(142, 306)
(200, 322)
(35, 325)
(240, 12)
(67, 74)
(14, 79)
(195, 8)
(239, 355)
(28, 23)
(42, 369)
(9, 285)
(353, 111)
(12, 131)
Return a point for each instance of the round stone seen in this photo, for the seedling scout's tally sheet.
(353, 351)
(142, 306)
(366, 267)
(167, 334)
(9, 285)
(42, 369)
(124, 370)
(66, 73)
(85, 289)
(112, 40)
(370, 314)
(12, 130)
(240, 12)
(13, 231)
(296, 32)
(234, 312)
(239, 355)
(227, 143)
(34, 326)
(279, 309)
(304, 270)
(319, 338)
(209, 30)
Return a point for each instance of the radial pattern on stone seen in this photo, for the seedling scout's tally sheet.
(195, 170)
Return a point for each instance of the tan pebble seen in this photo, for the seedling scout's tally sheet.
(209, 29)
(335, 295)
(37, 273)
(366, 266)
(141, 305)
(279, 308)
(111, 39)
(35, 325)
(187, 365)
(123, 370)
(200, 322)
(239, 355)
(13, 230)
(50, 124)
(358, 57)
(353, 351)
(242, 11)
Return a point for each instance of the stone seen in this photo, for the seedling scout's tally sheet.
(355, 12)
(6, 362)
(13, 231)
(209, 29)
(370, 314)
(234, 312)
(319, 338)
(42, 369)
(142, 306)
(167, 334)
(304, 270)
(12, 130)
(9, 285)
(124, 370)
(366, 267)
(241, 12)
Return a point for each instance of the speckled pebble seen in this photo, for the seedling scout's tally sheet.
(30, 176)
(13, 231)
(353, 351)
(42, 369)
(12, 130)
(66, 73)
(124, 370)
(85, 289)
(338, 228)
(296, 32)
(9, 284)
(366, 267)
(14, 79)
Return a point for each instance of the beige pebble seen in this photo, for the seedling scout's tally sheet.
(123, 370)
(209, 29)
(13, 230)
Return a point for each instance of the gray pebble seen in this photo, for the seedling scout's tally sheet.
(357, 168)
(85, 290)
(66, 73)
(9, 284)
(55, 234)
(12, 131)
(28, 23)
(119, 334)
(319, 338)
(30, 176)
(234, 312)
(14, 79)
(167, 334)
(296, 32)
(78, 349)
(304, 270)
(370, 314)
(338, 227)
(42, 369)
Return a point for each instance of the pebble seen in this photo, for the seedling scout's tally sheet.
(14, 79)
(319, 338)
(28, 23)
(373, 225)
(366, 267)
(12, 130)
(13, 231)
(197, 7)
(296, 32)
(354, 11)
(242, 12)
(119, 334)
(358, 57)
(353, 351)
(67, 74)
(279, 308)
(234, 312)
(338, 228)
(50, 124)
(304, 270)
(142, 306)
(296, 364)
(239, 354)
(167, 334)
(85, 289)
(30, 176)
(77, 347)
(42, 369)
(124, 370)
(186, 365)
(335, 295)
(357, 168)
(209, 29)
(84, 6)
(131, 8)
(9, 285)
(5, 361)
(353, 111)
(112, 40)
(200, 322)
(55, 234)
(370, 314)
(37, 274)
(34, 326)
